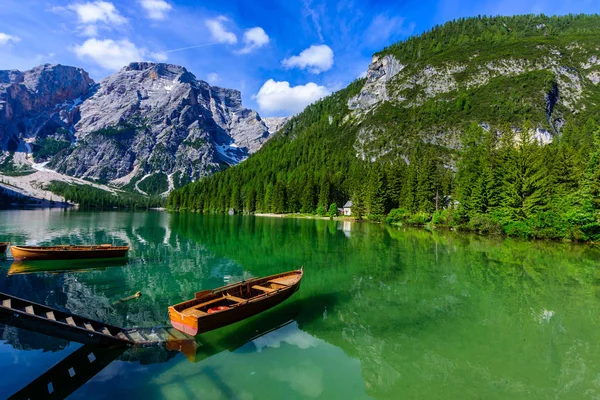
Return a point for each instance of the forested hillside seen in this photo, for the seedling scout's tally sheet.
(486, 124)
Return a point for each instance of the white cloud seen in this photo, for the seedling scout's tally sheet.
(317, 58)
(213, 78)
(314, 16)
(156, 9)
(111, 54)
(7, 40)
(218, 31)
(280, 96)
(254, 38)
(157, 56)
(91, 14)
(97, 11)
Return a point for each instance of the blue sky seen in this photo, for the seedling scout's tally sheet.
(282, 54)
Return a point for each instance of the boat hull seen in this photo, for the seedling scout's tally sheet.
(3, 247)
(193, 325)
(67, 253)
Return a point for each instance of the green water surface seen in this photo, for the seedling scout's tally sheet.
(382, 313)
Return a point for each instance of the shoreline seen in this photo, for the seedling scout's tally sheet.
(303, 216)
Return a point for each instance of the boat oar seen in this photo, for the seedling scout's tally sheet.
(133, 296)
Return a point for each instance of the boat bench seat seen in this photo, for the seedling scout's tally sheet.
(197, 306)
(193, 312)
(236, 299)
(277, 285)
(262, 288)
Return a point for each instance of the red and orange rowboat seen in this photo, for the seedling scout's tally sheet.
(213, 309)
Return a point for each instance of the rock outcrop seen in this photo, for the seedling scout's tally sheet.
(275, 123)
(38, 101)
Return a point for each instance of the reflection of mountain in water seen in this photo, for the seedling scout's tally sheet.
(165, 268)
(25, 340)
(423, 313)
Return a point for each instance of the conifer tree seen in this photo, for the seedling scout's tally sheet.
(592, 174)
(376, 195)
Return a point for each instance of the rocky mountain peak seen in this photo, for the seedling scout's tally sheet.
(60, 81)
(148, 127)
(150, 70)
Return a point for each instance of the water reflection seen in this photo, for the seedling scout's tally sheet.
(381, 311)
(54, 266)
(255, 336)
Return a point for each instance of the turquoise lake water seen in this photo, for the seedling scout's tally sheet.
(383, 313)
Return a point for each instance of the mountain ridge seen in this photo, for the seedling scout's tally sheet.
(152, 122)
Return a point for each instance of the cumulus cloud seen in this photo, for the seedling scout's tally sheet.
(213, 78)
(317, 58)
(156, 9)
(254, 38)
(111, 54)
(280, 96)
(97, 11)
(218, 31)
(91, 14)
(7, 40)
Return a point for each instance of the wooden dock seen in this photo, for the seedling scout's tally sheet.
(40, 318)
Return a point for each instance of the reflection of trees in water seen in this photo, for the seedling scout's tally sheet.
(413, 306)
(409, 299)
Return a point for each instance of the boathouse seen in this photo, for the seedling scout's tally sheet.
(348, 208)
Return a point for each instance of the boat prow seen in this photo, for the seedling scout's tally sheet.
(213, 309)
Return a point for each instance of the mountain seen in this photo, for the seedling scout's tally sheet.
(148, 127)
(436, 125)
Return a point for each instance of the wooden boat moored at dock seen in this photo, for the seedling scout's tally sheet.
(68, 252)
(213, 309)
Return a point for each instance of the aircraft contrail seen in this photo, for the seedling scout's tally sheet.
(191, 47)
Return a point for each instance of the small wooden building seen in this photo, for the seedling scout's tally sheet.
(348, 208)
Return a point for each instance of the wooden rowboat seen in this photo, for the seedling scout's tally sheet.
(3, 247)
(67, 252)
(213, 309)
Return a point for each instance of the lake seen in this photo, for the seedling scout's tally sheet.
(382, 313)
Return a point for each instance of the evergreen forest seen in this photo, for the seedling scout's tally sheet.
(493, 171)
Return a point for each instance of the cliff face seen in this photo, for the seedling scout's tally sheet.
(38, 101)
(494, 72)
(153, 122)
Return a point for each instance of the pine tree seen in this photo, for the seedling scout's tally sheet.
(376, 194)
(523, 173)
(408, 198)
(427, 183)
(268, 199)
(395, 179)
(358, 201)
(324, 193)
(308, 196)
(279, 198)
(591, 182)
